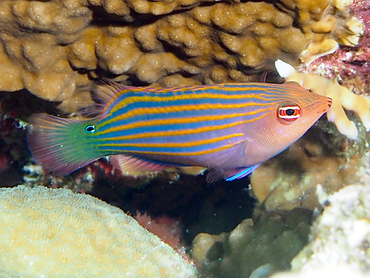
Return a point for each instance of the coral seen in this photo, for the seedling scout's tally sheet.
(290, 179)
(340, 236)
(342, 99)
(54, 232)
(55, 48)
(265, 244)
(349, 64)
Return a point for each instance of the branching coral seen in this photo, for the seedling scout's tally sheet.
(54, 232)
(54, 48)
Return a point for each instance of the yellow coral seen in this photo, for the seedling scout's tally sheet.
(341, 96)
(56, 233)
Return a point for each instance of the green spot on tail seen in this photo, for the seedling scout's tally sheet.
(60, 145)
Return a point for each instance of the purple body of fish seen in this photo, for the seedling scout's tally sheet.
(228, 128)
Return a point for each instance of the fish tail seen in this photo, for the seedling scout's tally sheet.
(60, 145)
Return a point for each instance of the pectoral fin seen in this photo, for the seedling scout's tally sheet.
(214, 175)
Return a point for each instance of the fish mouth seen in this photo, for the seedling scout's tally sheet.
(326, 107)
(330, 102)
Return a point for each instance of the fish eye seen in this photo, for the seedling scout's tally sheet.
(90, 129)
(288, 112)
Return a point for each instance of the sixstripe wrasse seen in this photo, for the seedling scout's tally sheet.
(227, 128)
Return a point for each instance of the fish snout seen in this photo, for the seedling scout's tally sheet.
(325, 105)
(330, 101)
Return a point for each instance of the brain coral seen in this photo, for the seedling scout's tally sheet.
(56, 233)
(55, 48)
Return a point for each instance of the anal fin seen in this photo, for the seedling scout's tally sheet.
(132, 165)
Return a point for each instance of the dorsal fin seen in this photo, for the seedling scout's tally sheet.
(105, 90)
(104, 94)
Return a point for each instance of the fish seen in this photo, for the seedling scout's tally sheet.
(229, 129)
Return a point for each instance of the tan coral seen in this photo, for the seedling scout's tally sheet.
(56, 48)
(54, 232)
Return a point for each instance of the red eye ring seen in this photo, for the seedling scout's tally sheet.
(288, 112)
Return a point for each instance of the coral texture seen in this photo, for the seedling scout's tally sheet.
(348, 66)
(54, 48)
(262, 245)
(351, 65)
(54, 232)
(341, 235)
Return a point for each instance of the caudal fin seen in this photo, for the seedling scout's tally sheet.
(59, 145)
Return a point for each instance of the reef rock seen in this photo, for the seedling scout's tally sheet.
(340, 236)
(262, 245)
(339, 239)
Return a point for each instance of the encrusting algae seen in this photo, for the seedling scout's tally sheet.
(56, 233)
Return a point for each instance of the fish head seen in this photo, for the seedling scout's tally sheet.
(288, 119)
